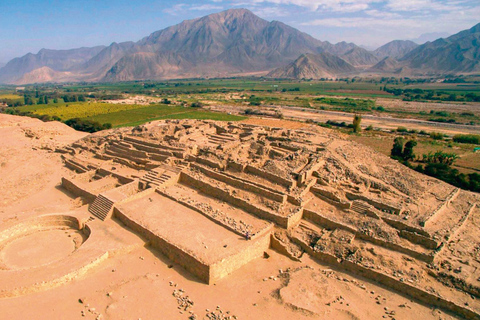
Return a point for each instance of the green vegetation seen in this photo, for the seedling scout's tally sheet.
(438, 165)
(348, 104)
(87, 125)
(357, 119)
(467, 138)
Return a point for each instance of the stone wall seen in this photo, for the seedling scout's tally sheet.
(400, 225)
(431, 217)
(377, 204)
(121, 179)
(255, 249)
(38, 223)
(188, 261)
(223, 195)
(414, 237)
(342, 204)
(208, 273)
(289, 183)
(322, 221)
(208, 162)
(78, 190)
(278, 246)
(276, 196)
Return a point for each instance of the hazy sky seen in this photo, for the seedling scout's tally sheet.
(29, 25)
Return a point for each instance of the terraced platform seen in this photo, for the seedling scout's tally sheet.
(203, 247)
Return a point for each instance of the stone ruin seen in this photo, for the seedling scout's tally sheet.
(213, 196)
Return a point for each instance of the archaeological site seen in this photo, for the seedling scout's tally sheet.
(190, 219)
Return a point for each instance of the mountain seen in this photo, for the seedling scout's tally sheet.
(459, 53)
(338, 48)
(42, 75)
(229, 42)
(395, 49)
(232, 42)
(387, 65)
(359, 57)
(57, 60)
(107, 58)
(314, 66)
(426, 37)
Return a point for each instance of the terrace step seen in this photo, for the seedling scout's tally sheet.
(101, 207)
(157, 179)
(360, 206)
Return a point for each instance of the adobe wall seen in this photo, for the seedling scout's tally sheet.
(270, 176)
(189, 262)
(136, 196)
(400, 225)
(278, 246)
(320, 220)
(252, 182)
(234, 166)
(240, 203)
(255, 249)
(339, 204)
(391, 282)
(72, 165)
(116, 152)
(208, 162)
(276, 196)
(126, 150)
(431, 217)
(152, 144)
(32, 225)
(121, 179)
(419, 239)
(78, 190)
(151, 150)
(373, 202)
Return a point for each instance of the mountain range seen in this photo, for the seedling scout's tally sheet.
(234, 43)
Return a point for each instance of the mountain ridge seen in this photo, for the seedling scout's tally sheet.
(237, 42)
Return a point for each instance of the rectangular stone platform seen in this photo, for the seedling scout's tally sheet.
(203, 247)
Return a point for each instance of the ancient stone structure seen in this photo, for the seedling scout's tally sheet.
(213, 196)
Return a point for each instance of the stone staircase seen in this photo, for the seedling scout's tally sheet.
(101, 207)
(360, 207)
(220, 139)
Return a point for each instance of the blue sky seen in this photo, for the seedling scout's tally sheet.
(29, 25)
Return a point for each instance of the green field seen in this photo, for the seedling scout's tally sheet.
(138, 116)
(121, 115)
(9, 96)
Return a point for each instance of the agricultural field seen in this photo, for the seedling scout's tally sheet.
(122, 114)
(9, 96)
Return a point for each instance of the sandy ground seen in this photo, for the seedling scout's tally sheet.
(143, 284)
(381, 122)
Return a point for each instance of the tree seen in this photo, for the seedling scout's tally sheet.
(356, 123)
(196, 105)
(408, 150)
(397, 149)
